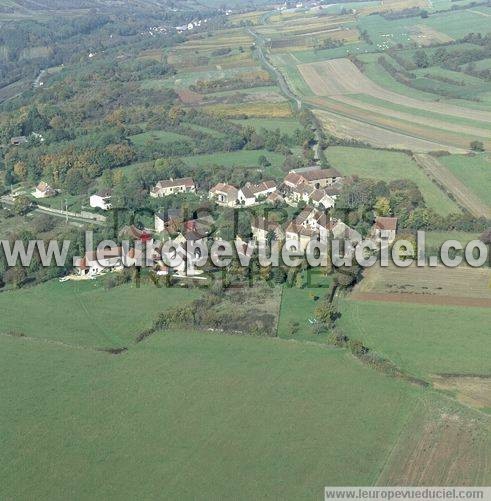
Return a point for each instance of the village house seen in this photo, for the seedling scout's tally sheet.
(312, 224)
(170, 220)
(101, 200)
(172, 186)
(261, 227)
(251, 194)
(224, 194)
(320, 199)
(104, 260)
(275, 198)
(44, 190)
(305, 193)
(131, 232)
(384, 228)
(186, 250)
(315, 178)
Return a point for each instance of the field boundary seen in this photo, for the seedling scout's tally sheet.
(428, 299)
(463, 195)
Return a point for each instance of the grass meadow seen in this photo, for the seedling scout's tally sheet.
(285, 125)
(298, 306)
(157, 136)
(474, 172)
(242, 158)
(193, 416)
(422, 339)
(84, 313)
(388, 166)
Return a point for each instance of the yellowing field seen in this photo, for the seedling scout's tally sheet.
(260, 110)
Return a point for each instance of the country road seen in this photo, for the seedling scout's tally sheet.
(284, 87)
(7, 200)
(260, 41)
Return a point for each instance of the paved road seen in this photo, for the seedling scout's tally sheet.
(260, 42)
(284, 87)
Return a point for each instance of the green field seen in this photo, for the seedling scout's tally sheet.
(474, 172)
(428, 89)
(435, 239)
(455, 24)
(388, 166)
(365, 98)
(83, 313)
(157, 136)
(422, 339)
(193, 416)
(206, 130)
(378, 74)
(461, 22)
(242, 158)
(286, 125)
(298, 306)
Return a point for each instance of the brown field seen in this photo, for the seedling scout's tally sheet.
(445, 177)
(441, 445)
(155, 54)
(304, 25)
(425, 35)
(309, 40)
(259, 110)
(396, 5)
(417, 119)
(189, 97)
(471, 302)
(425, 283)
(341, 76)
(409, 130)
(348, 128)
(470, 390)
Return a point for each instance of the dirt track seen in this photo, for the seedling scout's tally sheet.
(341, 76)
(462, 194)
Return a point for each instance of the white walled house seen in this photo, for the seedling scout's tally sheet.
(102, 260)
(172, 186)
(251, 194)
(101, 200)
(224, 194)
(321, 199)
(384, 228)
(44, 190)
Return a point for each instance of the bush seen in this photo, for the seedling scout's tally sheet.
(109, 282)
(293, 327)
(477, 146)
